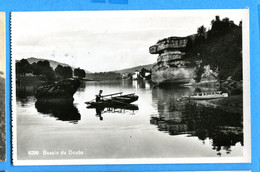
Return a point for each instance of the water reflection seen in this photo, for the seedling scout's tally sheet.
(158, 115)
(100, 110)
(99, 113)
(64, 111)
(25, 93)
(143, 84)
(174, 117)
(82, 86)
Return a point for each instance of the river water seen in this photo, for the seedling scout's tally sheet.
(158, 126)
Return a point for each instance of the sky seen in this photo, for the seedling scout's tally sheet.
(100, 41)
(2, 44)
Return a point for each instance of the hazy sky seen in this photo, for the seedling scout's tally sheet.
(104, 40)
(2, 43)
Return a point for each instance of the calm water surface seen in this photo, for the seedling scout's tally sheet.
(161, 127)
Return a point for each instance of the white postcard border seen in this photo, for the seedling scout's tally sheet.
(246, 121)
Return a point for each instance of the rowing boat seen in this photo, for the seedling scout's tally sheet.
(114, 100)
(207, 96)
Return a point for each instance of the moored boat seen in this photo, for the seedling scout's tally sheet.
(207, 95)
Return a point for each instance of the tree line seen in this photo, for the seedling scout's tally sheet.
(43, 68)
(218, 28)
(219, 46)
(100, 76)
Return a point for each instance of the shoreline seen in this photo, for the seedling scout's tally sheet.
(232, 104)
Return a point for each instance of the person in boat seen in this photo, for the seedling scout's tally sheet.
(99, 96)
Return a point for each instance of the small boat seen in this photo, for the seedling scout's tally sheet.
(206, 96)
(114, 99)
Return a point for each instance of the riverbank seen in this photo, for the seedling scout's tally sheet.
(31, 80)
(232, 104)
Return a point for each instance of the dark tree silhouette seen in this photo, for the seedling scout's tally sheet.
(80, 73)
(221, 26)
(63, 72)
(43, 68)
(201, 31)
(23, 67)
(240, 23)
(222, 49)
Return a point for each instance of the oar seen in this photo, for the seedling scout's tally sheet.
(90, 101)
(112, 94)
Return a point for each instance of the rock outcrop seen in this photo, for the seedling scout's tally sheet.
(206, 77)
(61, 90)
(170, 66)
(175, 75)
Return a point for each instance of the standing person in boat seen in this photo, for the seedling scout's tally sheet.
(99, 96)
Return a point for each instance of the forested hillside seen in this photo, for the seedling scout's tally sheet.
(220, 47)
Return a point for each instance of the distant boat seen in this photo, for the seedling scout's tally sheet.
(114, 99)
(206, 96)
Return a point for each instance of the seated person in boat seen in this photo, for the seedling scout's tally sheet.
(99, 96)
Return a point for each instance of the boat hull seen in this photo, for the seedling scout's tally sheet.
(124, 99)
(204, 98)
(115, 101)
(208, 97)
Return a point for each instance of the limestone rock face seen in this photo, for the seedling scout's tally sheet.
(180, 75)
(64, 89)
(170, 66)
(209, 75)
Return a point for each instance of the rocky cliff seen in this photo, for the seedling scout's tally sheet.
(170, 66)
(207, 58)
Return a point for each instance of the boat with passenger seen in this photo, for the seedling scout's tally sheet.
(115, 99)
(206, 95)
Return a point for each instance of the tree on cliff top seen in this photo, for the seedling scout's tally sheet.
(222, 49)
(202, 32)
(63, 72)
(80, 73)
(220, 26)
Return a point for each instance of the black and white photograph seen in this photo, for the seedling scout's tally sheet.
(2, 88)
(130, 87)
